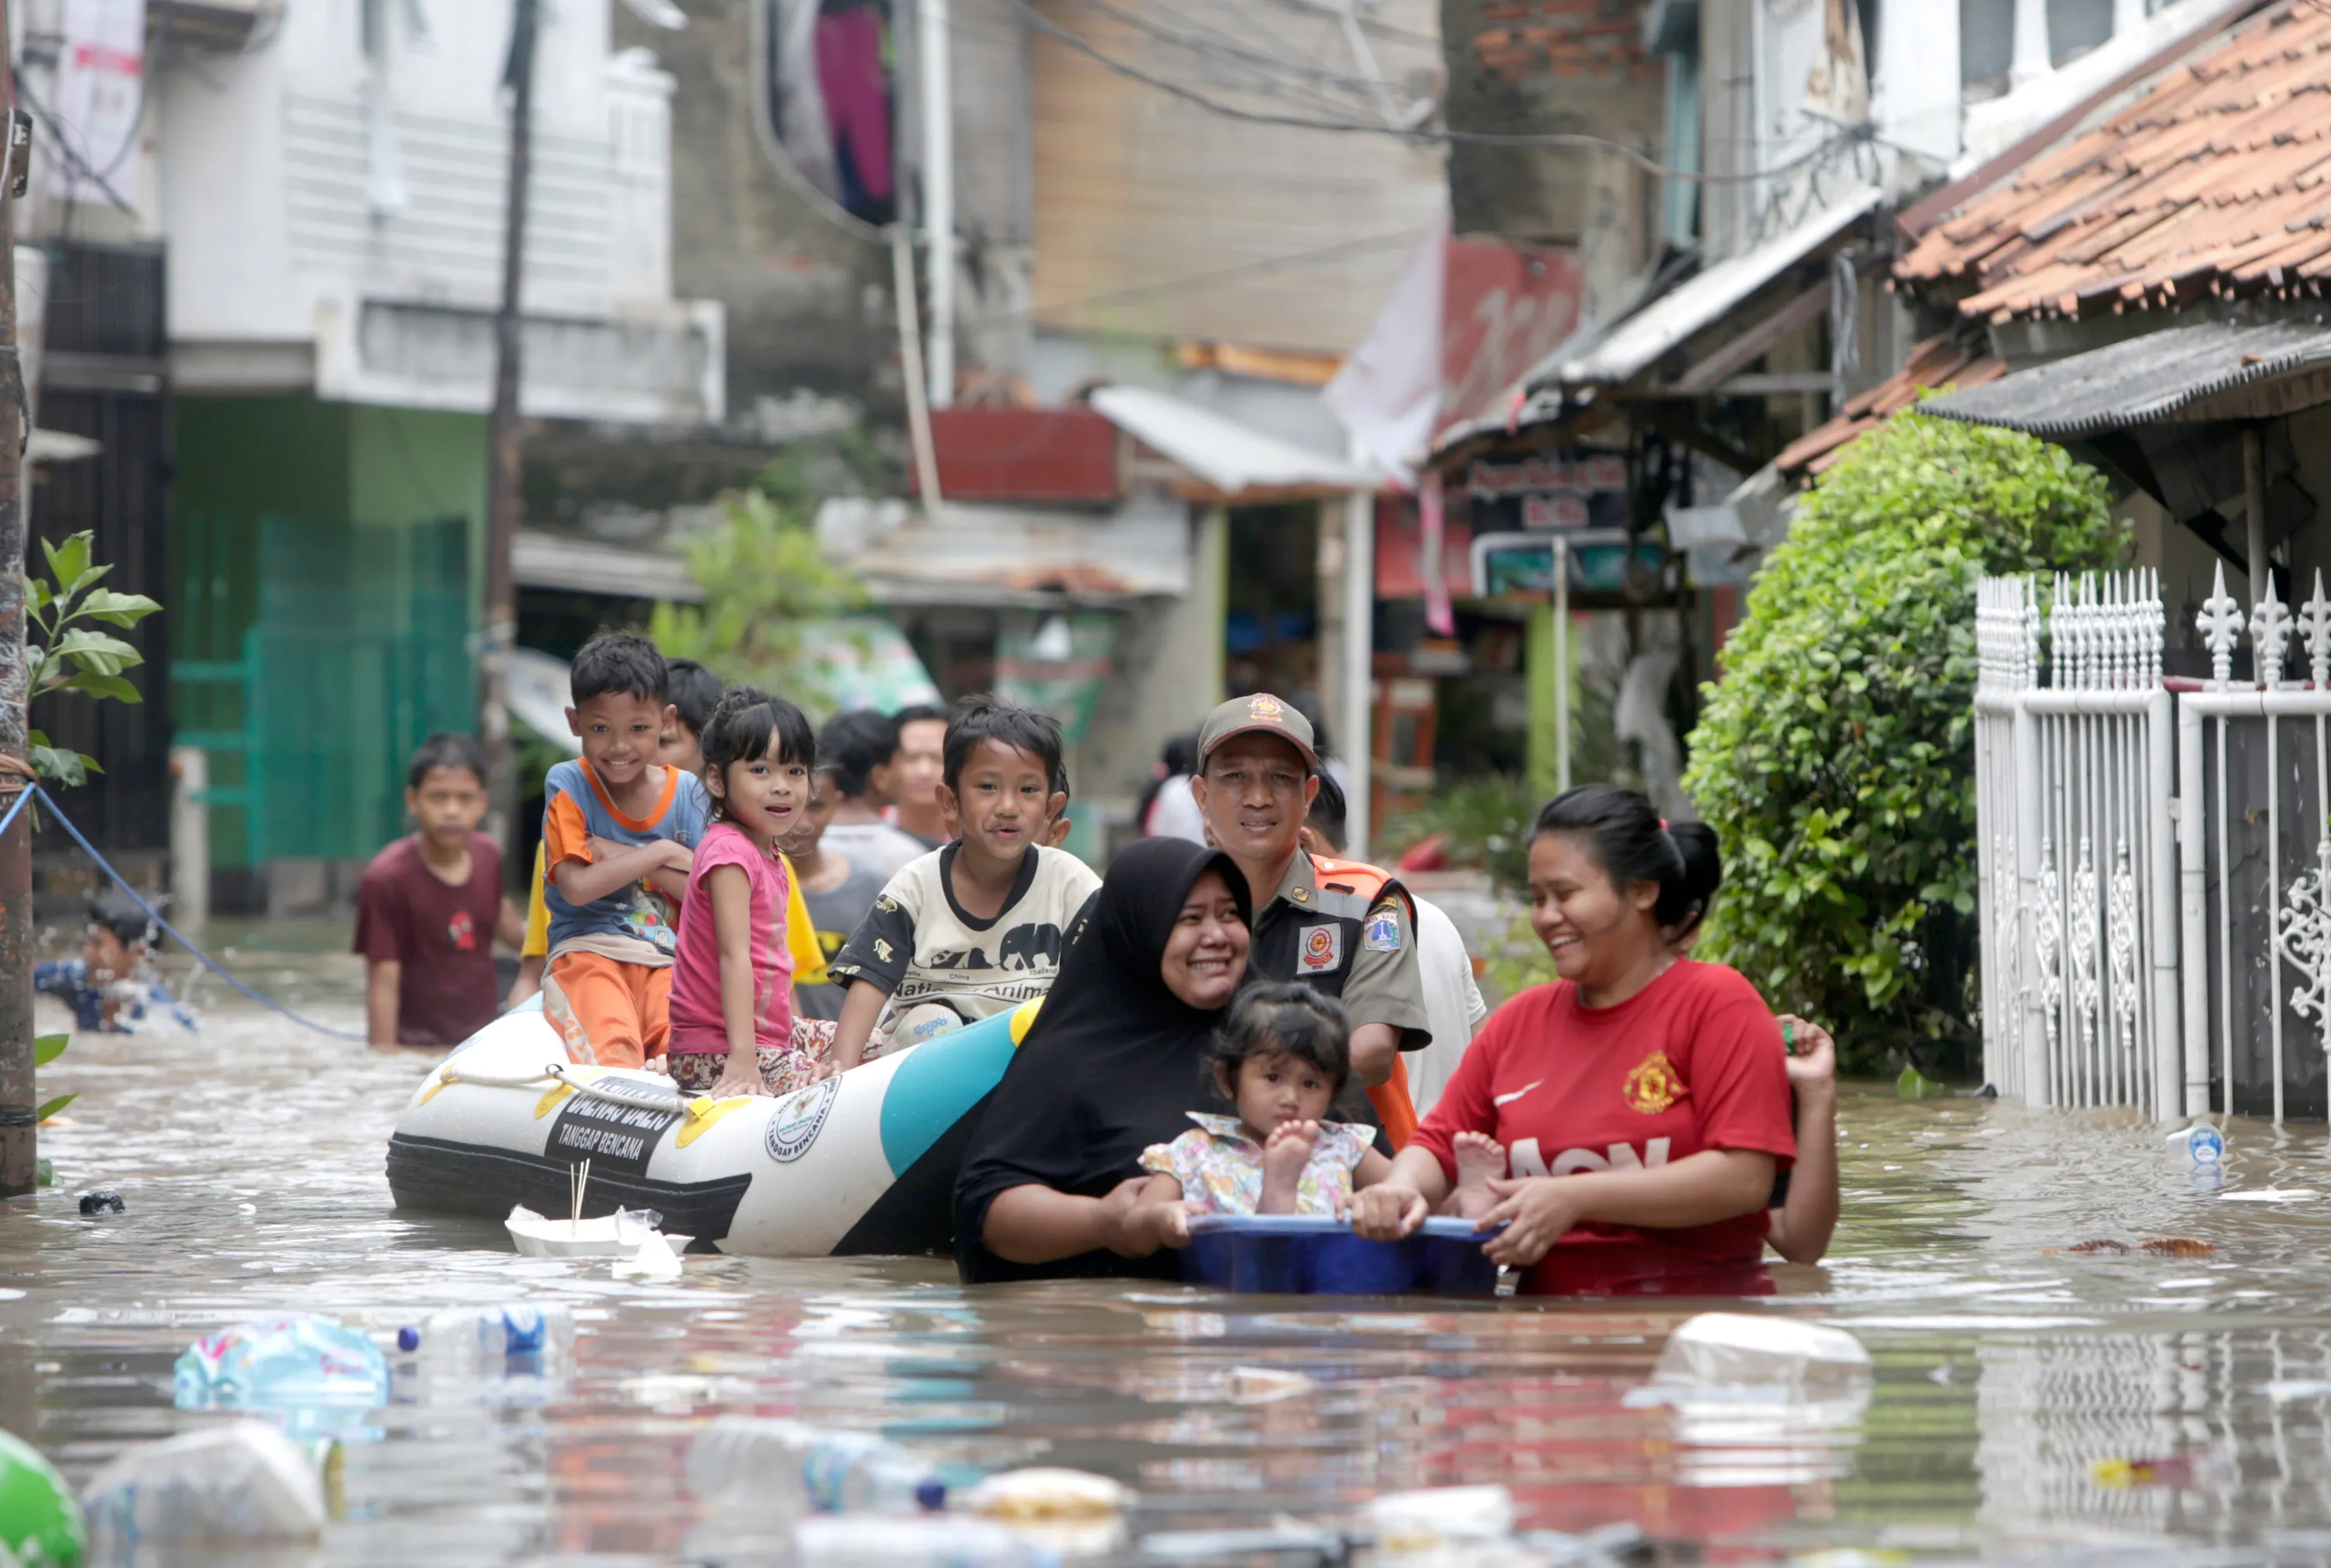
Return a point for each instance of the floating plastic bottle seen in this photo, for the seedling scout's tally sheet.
(244, 1482)
(40, 1522)
(2200, 1151)
(785, 1467)
(292, 1363)
(482, 1339)
(871, 1541)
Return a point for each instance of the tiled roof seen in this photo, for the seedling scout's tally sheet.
(1937, 362)
(2215, 179)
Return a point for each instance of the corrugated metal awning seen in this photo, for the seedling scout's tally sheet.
(541, 559)
(1638, 343)
(1001, 556)
(1228, 458)
(2182, 374)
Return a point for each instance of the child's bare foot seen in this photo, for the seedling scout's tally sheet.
(1480, 1159)
(1284, 1154)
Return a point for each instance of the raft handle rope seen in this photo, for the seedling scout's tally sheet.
(213, 964)
(637, 1099)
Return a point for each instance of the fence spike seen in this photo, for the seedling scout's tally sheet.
(2314, 630)
(2221, 625)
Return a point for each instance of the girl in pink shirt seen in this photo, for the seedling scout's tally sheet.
(732, 1016)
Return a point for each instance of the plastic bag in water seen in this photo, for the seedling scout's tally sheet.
(873, 1540)
(1760, 1401)
(245, 1482)
(1731, 1350)
(296, 1364)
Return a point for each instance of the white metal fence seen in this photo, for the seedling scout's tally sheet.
(2155, 855)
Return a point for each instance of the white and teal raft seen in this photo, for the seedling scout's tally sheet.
(860, 1163)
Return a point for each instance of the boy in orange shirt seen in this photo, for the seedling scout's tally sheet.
(618, 830)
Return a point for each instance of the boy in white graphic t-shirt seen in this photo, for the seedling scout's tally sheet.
(975, 928)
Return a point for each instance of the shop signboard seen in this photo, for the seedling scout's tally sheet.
(1580, 490)
(1522, 564)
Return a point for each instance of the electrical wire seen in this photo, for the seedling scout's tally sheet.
(1337, 252)
(1228, 50)
(213, 964)
(1445, 135)
(57, 130)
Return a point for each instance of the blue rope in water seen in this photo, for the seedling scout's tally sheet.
(155, 915)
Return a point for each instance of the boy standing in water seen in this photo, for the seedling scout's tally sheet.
(975, 928)
(619, 829)
(432, 908)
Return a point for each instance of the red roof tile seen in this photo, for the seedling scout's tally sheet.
(1937, 362)
(2214, 178)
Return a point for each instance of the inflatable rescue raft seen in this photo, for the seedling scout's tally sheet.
(864, 1163)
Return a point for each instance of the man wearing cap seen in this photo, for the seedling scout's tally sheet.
(1340, 927)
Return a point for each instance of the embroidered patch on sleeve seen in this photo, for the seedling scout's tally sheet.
(1383, 934)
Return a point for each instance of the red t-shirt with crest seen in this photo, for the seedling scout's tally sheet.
(1692, 1061)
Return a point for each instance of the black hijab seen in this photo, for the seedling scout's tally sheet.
(1113, 1063)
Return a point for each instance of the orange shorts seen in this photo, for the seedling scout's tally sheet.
(609, 1012)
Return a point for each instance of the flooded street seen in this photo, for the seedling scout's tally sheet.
(251, 1157)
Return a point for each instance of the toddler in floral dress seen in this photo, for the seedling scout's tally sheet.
(1280, 1060)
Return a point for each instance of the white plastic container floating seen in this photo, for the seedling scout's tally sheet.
(617, 1235)
(1761, 1401)
(1733, 1350)
(243, 1483)
(864, 1162)
(1455, 1526)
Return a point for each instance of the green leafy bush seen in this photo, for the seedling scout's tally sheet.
(1835, 758)
(769, 588)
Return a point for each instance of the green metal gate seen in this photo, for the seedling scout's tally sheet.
(311, 661)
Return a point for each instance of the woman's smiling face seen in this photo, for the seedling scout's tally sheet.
(1205, 957)
(1592, 927)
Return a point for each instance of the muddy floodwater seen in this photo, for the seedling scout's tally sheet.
(2009, 1368)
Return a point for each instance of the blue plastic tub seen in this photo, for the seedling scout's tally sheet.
(1299, 1255)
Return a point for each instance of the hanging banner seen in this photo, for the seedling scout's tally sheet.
(101, 97)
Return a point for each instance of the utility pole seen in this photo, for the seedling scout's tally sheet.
(504, 501)
(19, 1133)
(938, 193)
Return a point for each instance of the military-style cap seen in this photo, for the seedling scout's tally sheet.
(1262, 714)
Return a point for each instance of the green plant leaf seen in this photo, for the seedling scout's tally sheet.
(47, 1176)
(36, 594)
(48, 1047)
(98, 653)
(67, 561)
(119, 609)
(60, 766)
(53, 1107)
(114, 686)
(1914, 1085)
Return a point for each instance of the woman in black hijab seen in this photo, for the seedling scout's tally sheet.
(1113, 1064)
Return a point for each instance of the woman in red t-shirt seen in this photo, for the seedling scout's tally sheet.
(1636, 1110)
